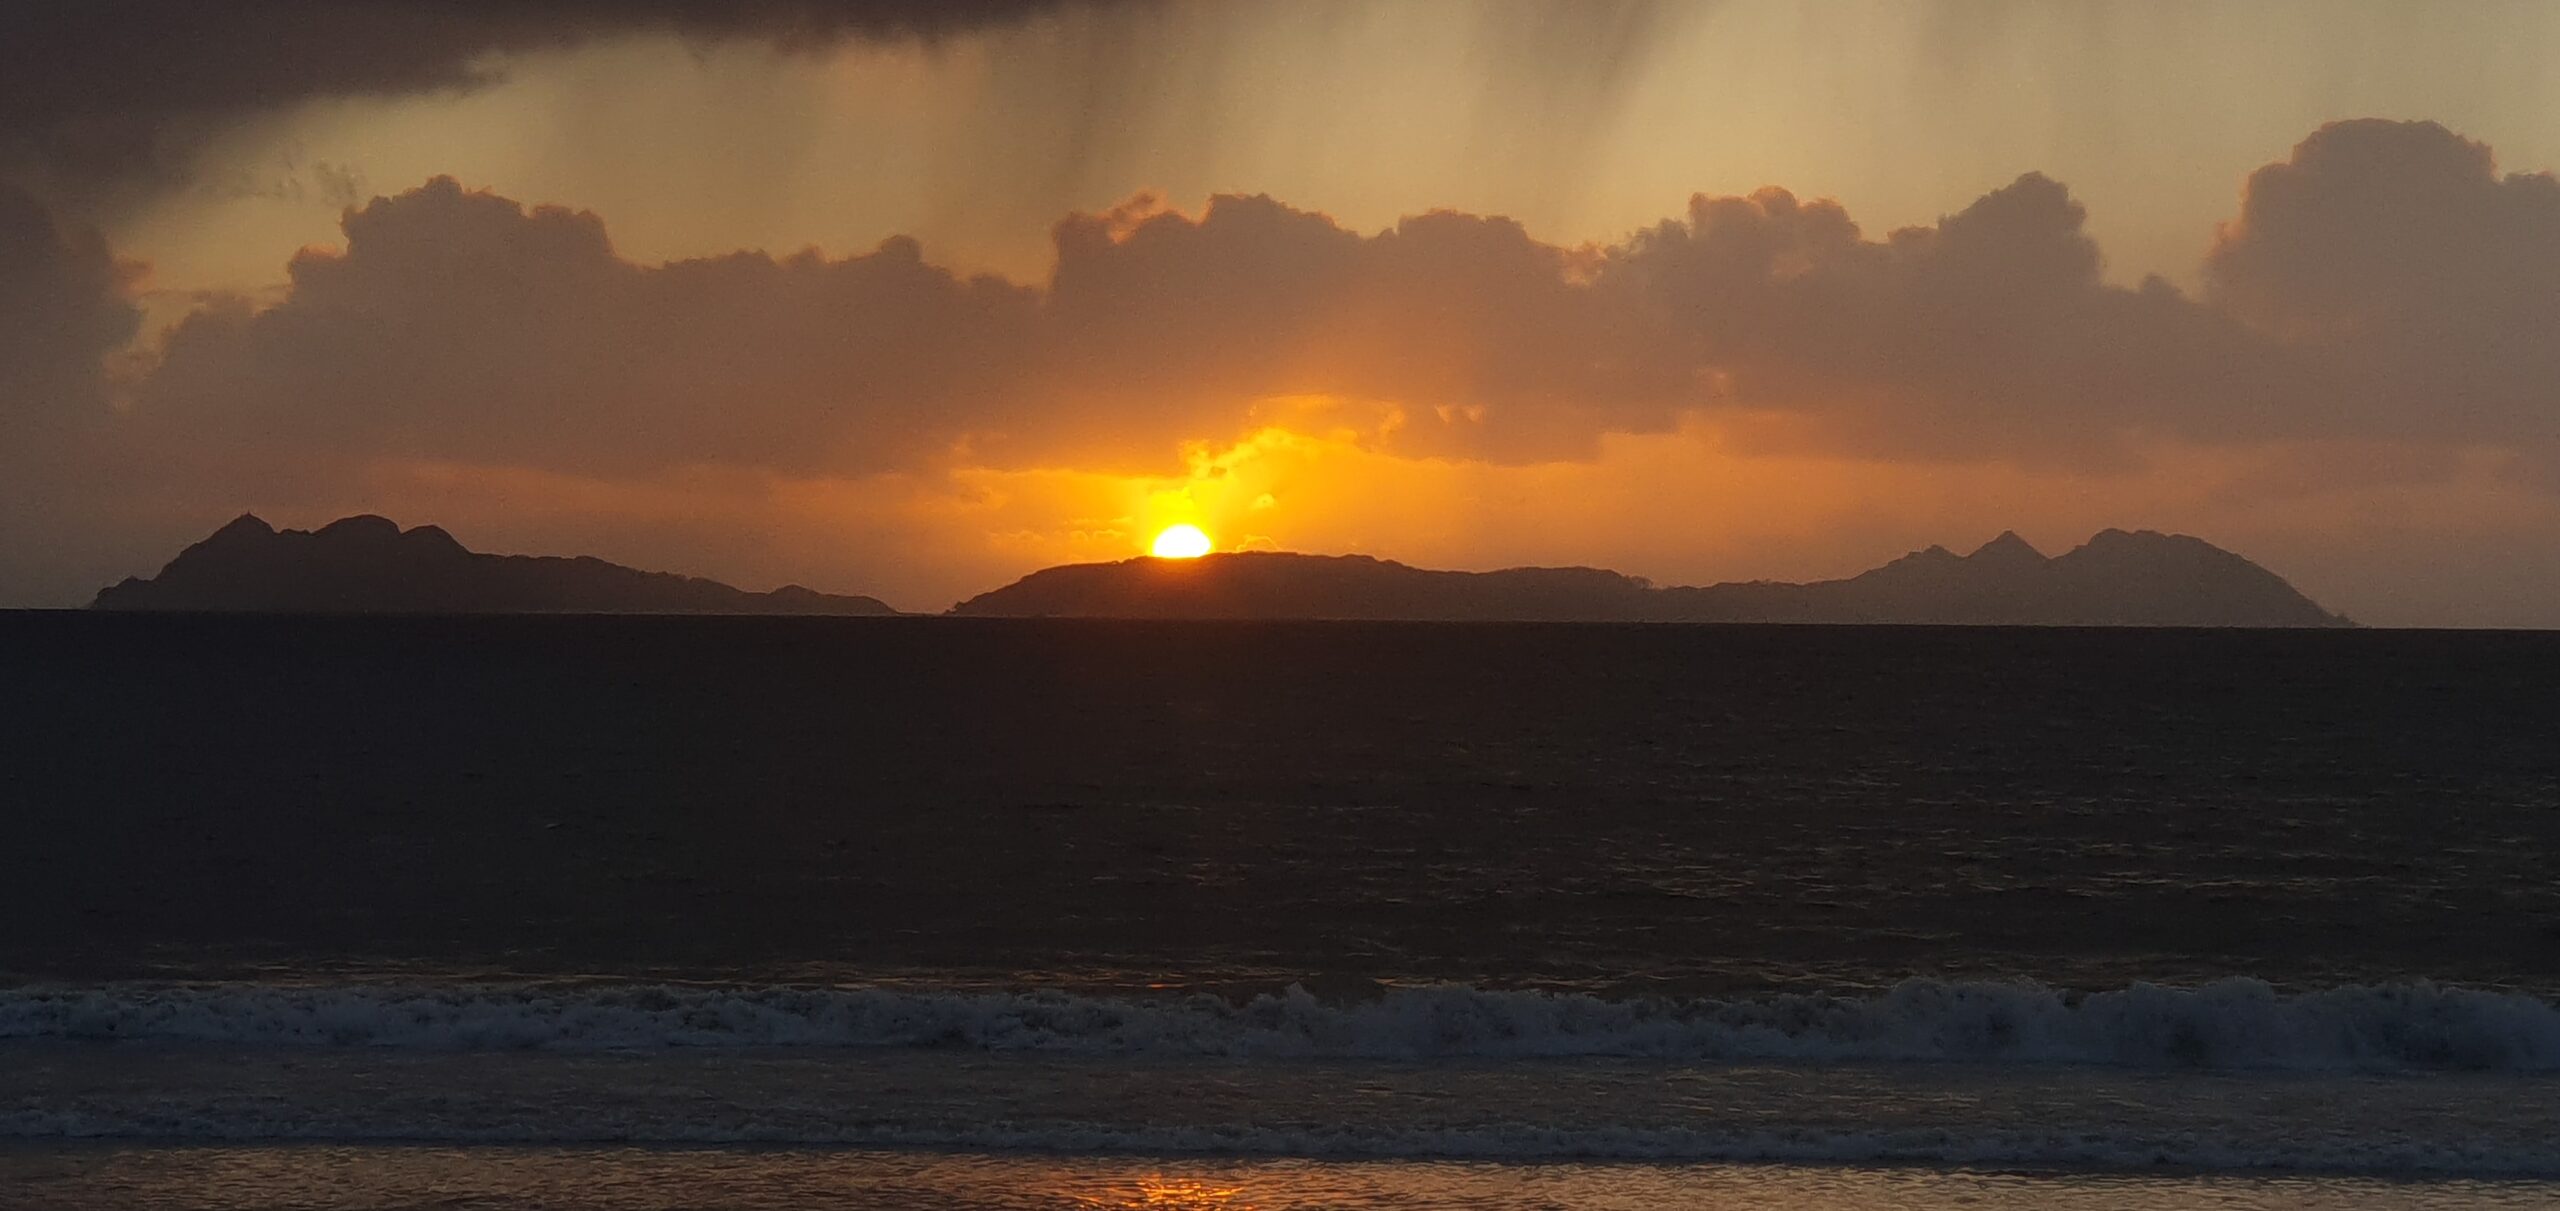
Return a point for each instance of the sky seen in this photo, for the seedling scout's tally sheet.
(910, 299)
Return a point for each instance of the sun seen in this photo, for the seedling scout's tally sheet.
(1181, 542)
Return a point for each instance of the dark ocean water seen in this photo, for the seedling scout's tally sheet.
(1026, 913)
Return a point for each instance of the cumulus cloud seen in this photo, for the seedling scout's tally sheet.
(1464, 334)
(2395, 253)
(1988, 334)
(461, 325)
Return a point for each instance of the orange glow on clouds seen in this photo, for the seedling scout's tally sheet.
(1722, 504)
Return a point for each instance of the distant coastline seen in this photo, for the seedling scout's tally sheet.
(369, 565)
(2117, 578)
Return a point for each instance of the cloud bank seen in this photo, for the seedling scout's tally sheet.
(63, 309)
(2382, 283)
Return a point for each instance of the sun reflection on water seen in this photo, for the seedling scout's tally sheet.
(1169, 1193)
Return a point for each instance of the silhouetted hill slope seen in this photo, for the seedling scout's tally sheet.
(2115, 579)
(1265, 584)
(370, 565)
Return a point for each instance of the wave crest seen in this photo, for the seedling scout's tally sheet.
(2236, 1023)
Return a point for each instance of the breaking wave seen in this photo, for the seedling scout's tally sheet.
(2230, 1024)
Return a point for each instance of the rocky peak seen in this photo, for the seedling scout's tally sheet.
(2007, 549)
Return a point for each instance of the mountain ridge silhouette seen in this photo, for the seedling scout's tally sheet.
(2117, 578)
(368, 564)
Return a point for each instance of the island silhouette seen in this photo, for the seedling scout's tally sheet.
(369, 565)
(2117, 578)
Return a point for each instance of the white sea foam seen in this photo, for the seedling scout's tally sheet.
(2231, 1024)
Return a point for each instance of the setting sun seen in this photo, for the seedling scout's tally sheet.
(1181, 542)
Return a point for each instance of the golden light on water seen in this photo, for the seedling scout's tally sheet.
(1172, 1194)
(1181, 542)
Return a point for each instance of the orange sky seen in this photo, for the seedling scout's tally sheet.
(563, 349)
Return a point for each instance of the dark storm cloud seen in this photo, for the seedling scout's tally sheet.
(63, 311)
(112, 88)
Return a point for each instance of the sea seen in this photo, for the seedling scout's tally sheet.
(656, 912)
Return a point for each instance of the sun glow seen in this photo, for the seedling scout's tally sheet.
(1180, 542)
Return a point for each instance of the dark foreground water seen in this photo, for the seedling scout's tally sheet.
(920, 912)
